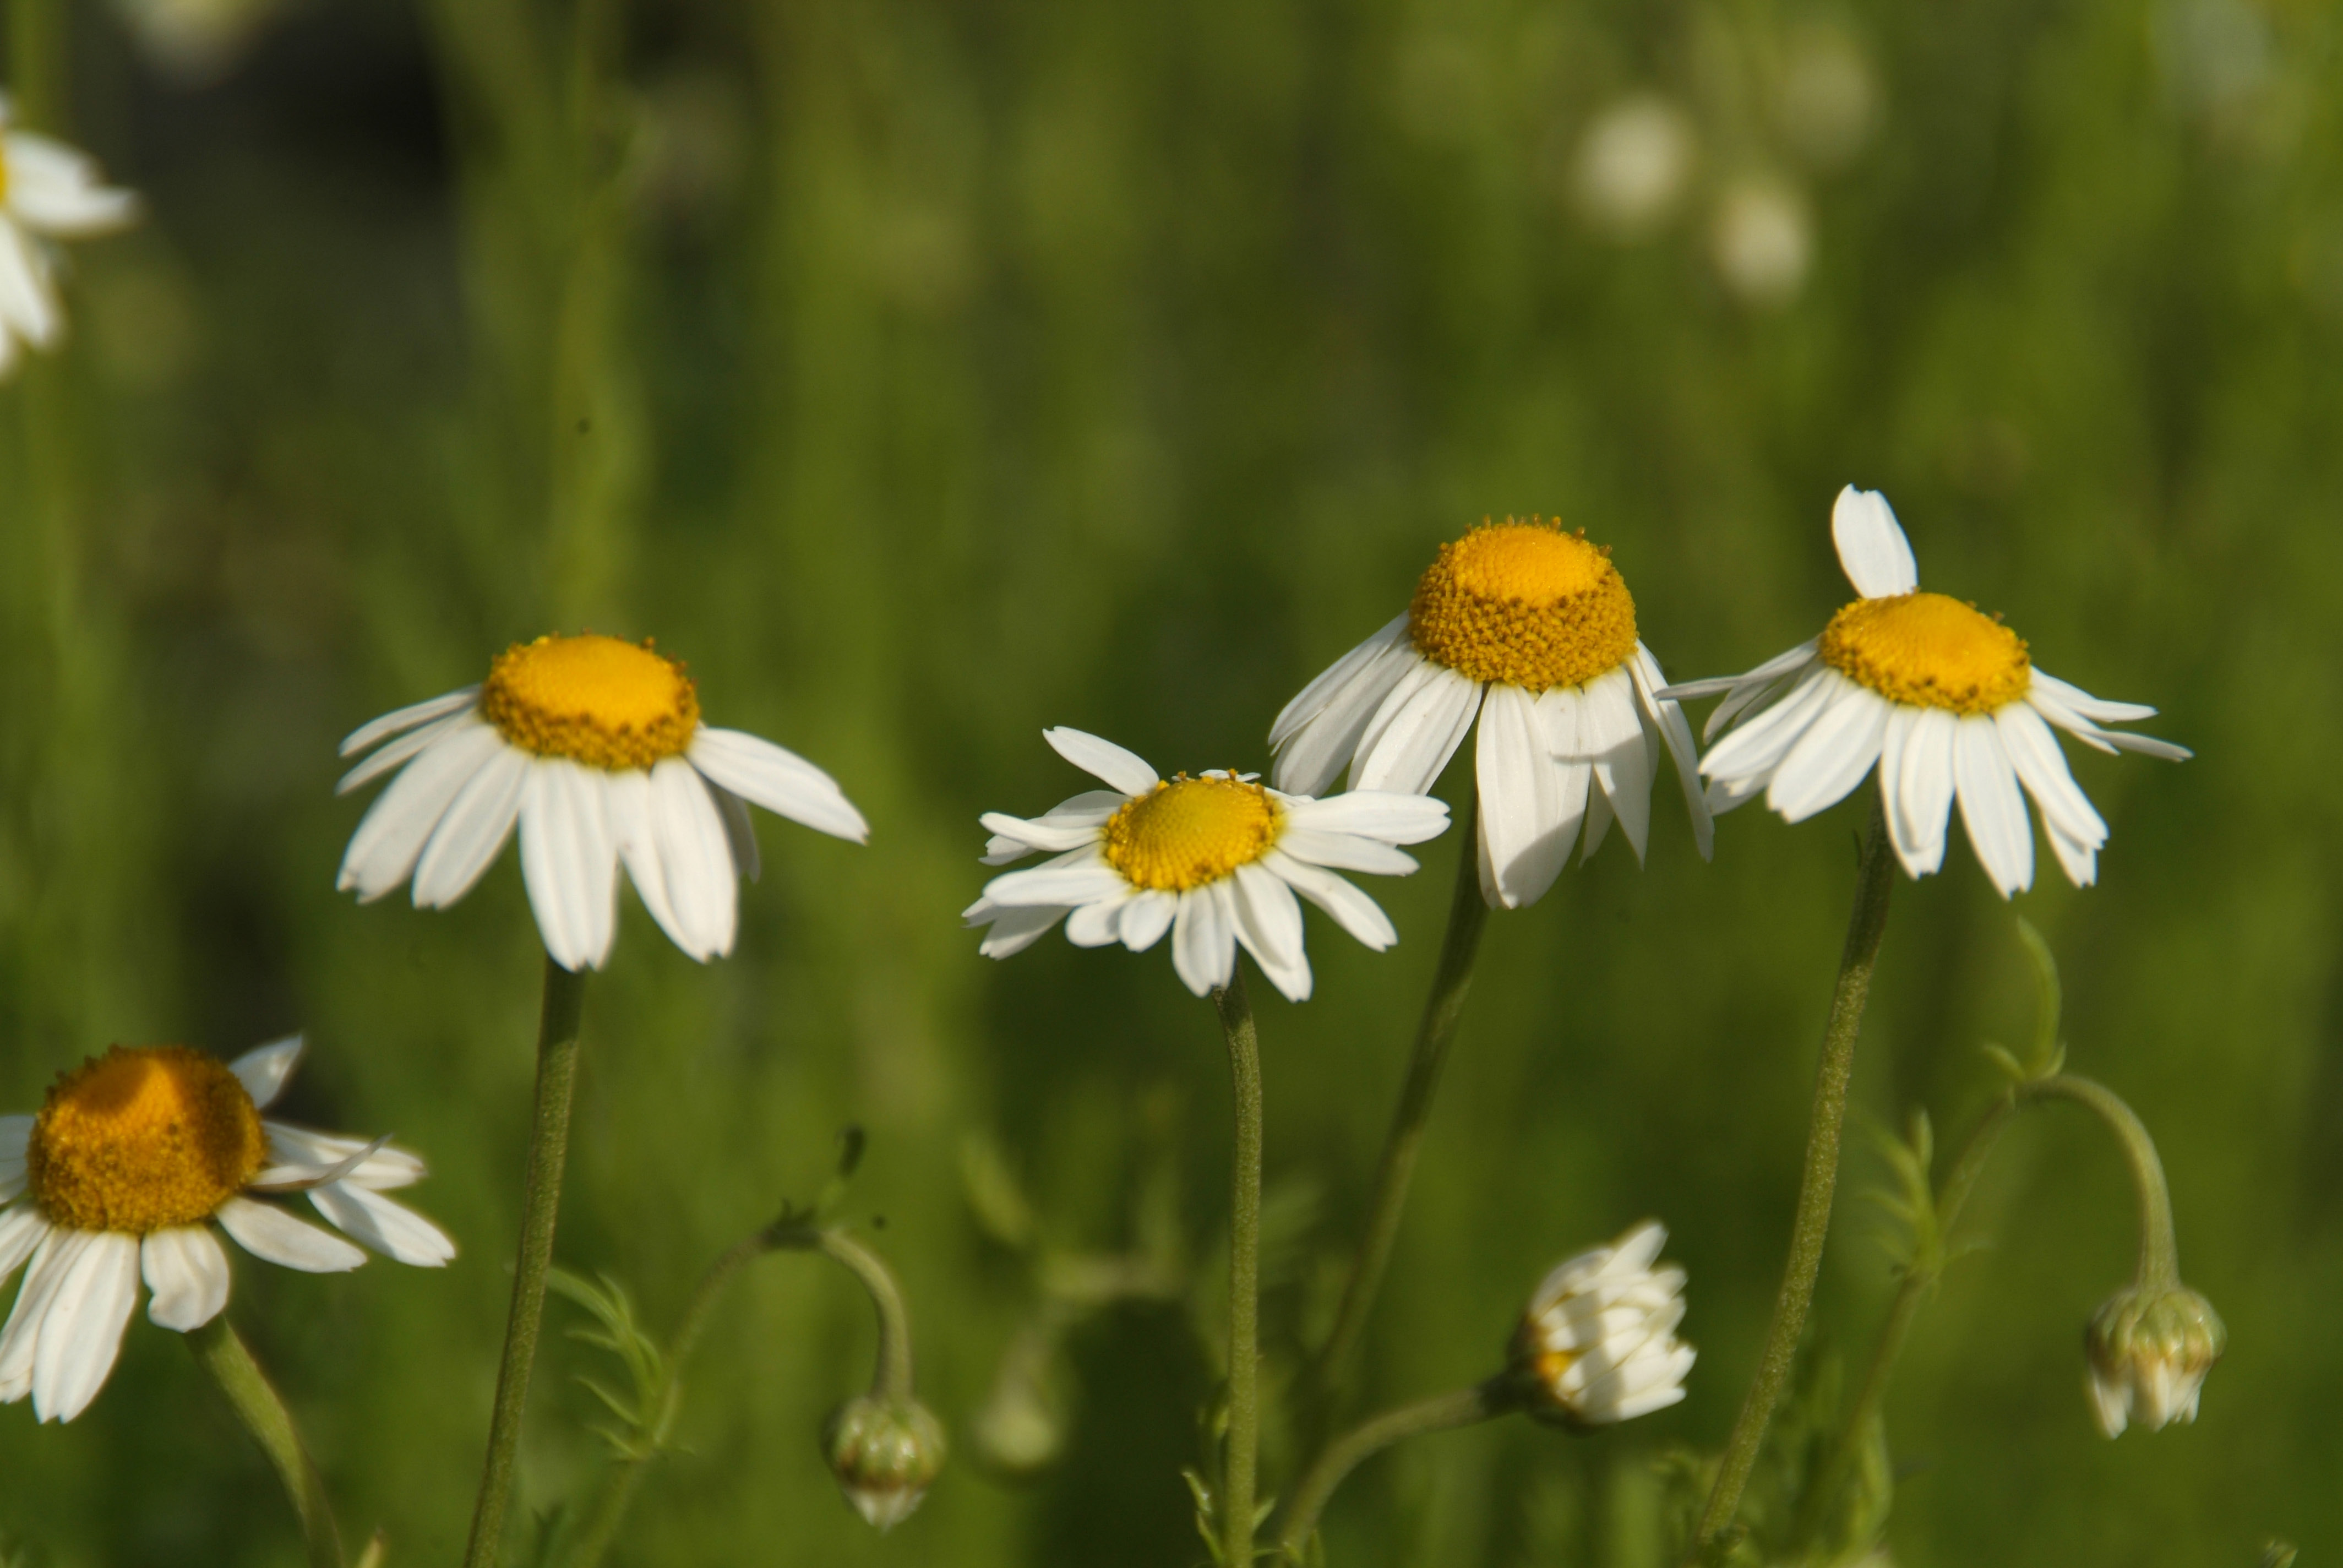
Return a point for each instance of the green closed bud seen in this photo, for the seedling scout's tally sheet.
(2149, 1350)
(884, 1453)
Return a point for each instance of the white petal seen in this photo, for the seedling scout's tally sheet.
(703, 886)
(391, 835)
(1925, 792)
(53, 1260)
(1992, 809)
(1415, 731)
(1353, 909)
(391, 1229)
(21, 1229)
(1019, 837)
(27, 299)
(1203, 940)
(2045, 701)
(15, 1131)
(387, 1166)
(472, 831)
(1081, 881)
(407, 718)
(1345, 851)
(2095, 708)
(1757, 746)
(1098, 925)
(390, 757)
(740, 833)
(1667, 718)
(1625, 765)
(1311, 758)
(1871, 549)
(2078, 860)
(627, 812)
(1147, 917)
(268, 1233)
(1372, 814)
(1268, 923)
(1526, 821)
(1598, 820)
(778, 779)
(569, 863)
(2042, 768)
(1832, 756)
(1126, 771)
(188, 1275)
(1010, 931)
(83, 1333)
(1314, 698)
(59, 191)
(264, 1070)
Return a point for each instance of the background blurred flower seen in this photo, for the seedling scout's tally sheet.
(1634, 164)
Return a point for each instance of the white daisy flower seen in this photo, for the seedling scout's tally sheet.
(1598, 1343)
(1215, 860)
(595, 748)
(133, 1159)
(47, 192)
(1533, 631)
(1941, 697)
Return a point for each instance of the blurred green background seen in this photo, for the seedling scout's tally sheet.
(928, 374)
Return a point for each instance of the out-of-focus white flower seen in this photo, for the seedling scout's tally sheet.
(1762, 241)
(134, 1158)
(1633, 165)
(1598, 1343)
(1829, 96)
(48, 192)
(1943, 699)
(198, 42)
(2149, 1350)
(1532, 631)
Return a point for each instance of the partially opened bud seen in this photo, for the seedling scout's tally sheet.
(884, 1453)
(1598, 1343)
(2149, 1349)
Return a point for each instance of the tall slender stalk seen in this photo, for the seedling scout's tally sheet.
(1810, 1230)
(548, 1152)
(1338, 1458)
(1242, 1450)
(264, 1415)
(1468, 912)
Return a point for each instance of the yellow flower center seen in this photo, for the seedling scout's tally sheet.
(141, 1140)
(1186, 832)
(1523, 604)
(599, 701)
(1928, 651)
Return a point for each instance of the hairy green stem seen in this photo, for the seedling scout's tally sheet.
(1243, 1449)
(891, 1378)
(1468, 912)
(1338, 1458)
(264, 1415)
(1810, 1230)
(2159, 1254)
(548, 1152)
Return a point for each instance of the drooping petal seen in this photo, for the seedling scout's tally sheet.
(472, 831)
(1666, 718)
(1832, 755)
(703, 886)
(1925, 792)
(1415, 731)
(1314, 699)
(366, 735)
(1622, 754)
(569, 863)
(1203, 939)
(1992, 809)
(1526, 821)
(778, 779)
(270, 1233)
(1752, 752)
(1010, 930)
(53, 1257)
(1353, 911)
(1146, 918)
(383, 1167)
(83, 1333)
(391, 1229)
(391, 835)
(1311, 757)
(1268, 923)
(188, 1275)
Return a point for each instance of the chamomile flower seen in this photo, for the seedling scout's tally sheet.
(1215, 860)
(48, 192)
(595, 748)
(1598, 1343)
(1533, 631)
(1943, 699)
(135, 1156)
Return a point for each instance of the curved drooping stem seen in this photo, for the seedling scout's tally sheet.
(264, 1415)
(1485, 1401)
(1468, 912)
(1242, 1450)
(548, 1155)
(1810, 1229)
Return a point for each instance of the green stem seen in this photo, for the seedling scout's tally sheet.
(548, 1151)
(271, 1424)
(1468, 912)
(2159, 1254)
(1810, 1230)
(1339, 1457)
(1242, 1449)
(891, 1378)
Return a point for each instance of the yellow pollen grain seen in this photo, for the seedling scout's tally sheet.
(143, 1138)
(1186, 832)
(1523, 604)
(1928, 651)
(595, 699)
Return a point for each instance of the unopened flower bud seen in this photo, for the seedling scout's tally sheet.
(884, 1453)
(1598, 1342)
(2149, 1350)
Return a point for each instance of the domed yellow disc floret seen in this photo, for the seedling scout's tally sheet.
(601, 701)
(142, 1139)
(1523, 604)
(1928, 651)
(1186, 832)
